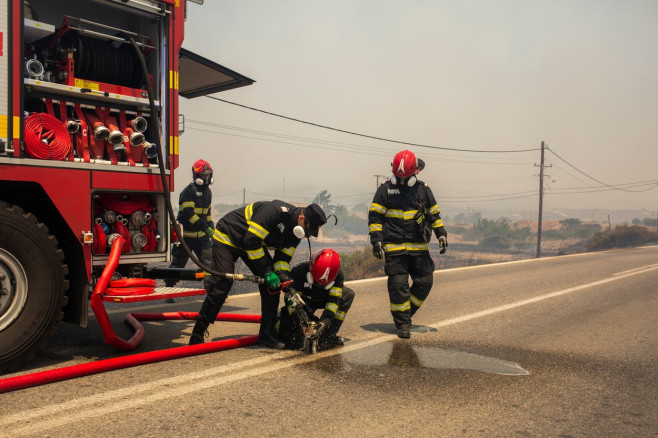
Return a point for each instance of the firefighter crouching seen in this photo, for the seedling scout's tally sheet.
(194, 215)
(319, 283)
(401, 219)
(249, 233)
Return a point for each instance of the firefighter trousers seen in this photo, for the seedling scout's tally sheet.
(406, 300)
(223, 260)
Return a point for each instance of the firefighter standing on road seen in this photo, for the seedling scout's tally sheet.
(195, 217)
(319, 283)
(249, 233)
(401, 219)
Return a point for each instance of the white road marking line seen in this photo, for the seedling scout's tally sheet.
(173, 386)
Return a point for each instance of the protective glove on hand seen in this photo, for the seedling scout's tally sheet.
(297, 301)
(209, 232)
(272, 280)
(377, 250)
(443, 243)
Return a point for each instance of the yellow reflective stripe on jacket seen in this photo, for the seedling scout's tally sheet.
(340, 315)
(194, 219)
(375, 227)
(223, 238)
(202, 210)
(281, 266)
(188, 204)
(406, 246)
(256, 254)
(399, 214)
(435, 209)
(415, 301)
(256, 229)
(400, 307)
(248, 212)
(290, 251)
(336, 292)
(196, 234)
(437, 223)
(377, 208)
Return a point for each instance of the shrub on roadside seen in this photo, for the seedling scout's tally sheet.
(361, 264)
(622, 236)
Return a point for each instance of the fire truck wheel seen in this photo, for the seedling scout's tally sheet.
(33, 283)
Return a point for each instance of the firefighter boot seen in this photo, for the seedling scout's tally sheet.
(267, 338)
(329, 338)
(404, 332)
(199, 332)
(209, 310)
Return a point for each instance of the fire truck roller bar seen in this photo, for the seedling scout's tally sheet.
(82, 145)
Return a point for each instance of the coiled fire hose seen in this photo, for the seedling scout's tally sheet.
(46, 138)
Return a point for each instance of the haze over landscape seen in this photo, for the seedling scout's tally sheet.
(446, 78)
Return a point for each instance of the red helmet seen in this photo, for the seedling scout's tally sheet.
(201, 169)
(324, 267)
(404, 164)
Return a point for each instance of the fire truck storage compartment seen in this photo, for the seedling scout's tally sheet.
(139, 218)
(81, 69)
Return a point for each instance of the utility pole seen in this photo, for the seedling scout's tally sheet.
(244, 195)
(541, 198)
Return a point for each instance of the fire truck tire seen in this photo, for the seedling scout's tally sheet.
(33, 283)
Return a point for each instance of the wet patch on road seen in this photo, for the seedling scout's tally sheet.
(405, 354)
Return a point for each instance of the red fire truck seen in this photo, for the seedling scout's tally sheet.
(89, 141)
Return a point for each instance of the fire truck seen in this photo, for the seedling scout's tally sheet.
(89, 142)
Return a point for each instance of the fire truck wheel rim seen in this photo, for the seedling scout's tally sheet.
(13, 288)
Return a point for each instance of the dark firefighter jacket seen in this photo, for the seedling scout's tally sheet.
(258, 227)
(316, 296)
(403, 217)
(194, 211)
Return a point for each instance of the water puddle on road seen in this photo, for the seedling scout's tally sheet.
(403, 354)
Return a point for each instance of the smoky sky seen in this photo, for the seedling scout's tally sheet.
(443, 79)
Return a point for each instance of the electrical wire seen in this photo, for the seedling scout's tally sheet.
(369, 136)
(588, 176)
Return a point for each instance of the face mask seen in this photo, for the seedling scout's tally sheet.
(410, 181)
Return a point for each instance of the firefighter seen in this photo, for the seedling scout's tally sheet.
(319, 283)
(194, 215)
(249, 233)
(401, 219)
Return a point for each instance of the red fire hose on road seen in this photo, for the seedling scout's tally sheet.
(132, 319)
(86, 369)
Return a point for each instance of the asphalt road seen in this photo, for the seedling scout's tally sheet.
(564, 346)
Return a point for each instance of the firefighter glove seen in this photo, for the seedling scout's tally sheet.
(297, 301)
(443, 243)
(272, 280)
(377, 250)
(209, 232)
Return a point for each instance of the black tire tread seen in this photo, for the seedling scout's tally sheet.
(26, 356)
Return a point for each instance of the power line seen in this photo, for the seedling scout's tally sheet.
(591, 177)
(365, 135)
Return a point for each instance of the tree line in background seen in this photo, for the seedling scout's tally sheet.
(501, 234)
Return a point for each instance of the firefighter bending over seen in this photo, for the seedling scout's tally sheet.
(249, 233)
(195, 217)
(319, 283)
(401, 219)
